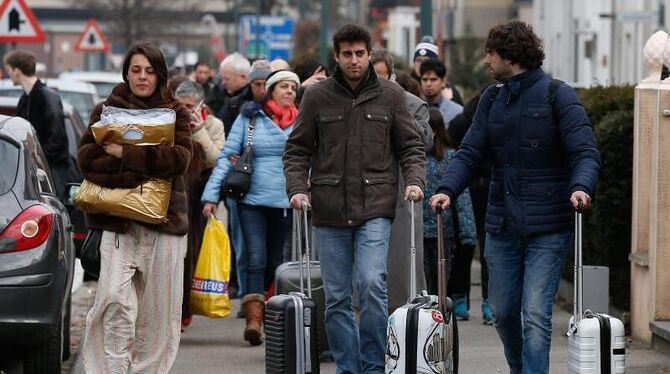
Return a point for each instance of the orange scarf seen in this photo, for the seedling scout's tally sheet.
(282, 116)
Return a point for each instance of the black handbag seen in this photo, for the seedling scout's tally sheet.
(238, 181)
(90, 253)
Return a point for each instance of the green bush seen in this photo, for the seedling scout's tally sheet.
(607, 226)
(599, 101)
(609, 222)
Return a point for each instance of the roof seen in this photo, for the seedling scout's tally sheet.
(59, 84)
(93, 76)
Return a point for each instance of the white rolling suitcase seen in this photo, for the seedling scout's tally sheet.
(419, 340)
(596, 341)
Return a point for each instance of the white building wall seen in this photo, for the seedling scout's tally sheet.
(403, 23)
(593, 42)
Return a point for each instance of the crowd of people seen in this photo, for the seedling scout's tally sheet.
(354, 142)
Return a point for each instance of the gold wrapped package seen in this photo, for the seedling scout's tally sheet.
(135, 126)
(152, 134)
(147, 202)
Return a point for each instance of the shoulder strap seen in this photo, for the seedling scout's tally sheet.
(553, 87)
(495, 90)
(250, 130)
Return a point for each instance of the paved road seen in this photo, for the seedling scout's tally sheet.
(216, 347)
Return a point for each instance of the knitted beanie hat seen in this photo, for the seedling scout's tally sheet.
(260, 69)
(426, 48)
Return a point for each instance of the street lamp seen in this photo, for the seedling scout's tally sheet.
(323, 53)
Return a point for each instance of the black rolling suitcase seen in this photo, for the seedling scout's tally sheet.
(287, 280)
(291, 332)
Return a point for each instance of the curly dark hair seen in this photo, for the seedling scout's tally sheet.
(351, 33)
(516, 41)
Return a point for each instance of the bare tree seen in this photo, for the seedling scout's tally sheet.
(132, 20)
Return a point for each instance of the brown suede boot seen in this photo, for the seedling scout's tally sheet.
(254, 310)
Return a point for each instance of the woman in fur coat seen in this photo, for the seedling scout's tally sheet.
(134, 323)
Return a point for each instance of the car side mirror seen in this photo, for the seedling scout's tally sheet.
(71, 191)
(43, 182)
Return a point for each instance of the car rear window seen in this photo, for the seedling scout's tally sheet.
(9, 154)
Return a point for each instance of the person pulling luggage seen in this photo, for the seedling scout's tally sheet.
(352, 131)
(545, 160)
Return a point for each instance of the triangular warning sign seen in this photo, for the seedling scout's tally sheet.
(18, 23)
(92, 39)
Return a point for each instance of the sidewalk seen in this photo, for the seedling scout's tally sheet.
(216, 347)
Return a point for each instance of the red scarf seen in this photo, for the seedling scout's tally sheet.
(282, 116)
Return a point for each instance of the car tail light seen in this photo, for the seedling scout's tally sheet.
(79, 236)
(28, 230)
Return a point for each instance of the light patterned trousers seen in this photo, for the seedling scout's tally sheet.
(135, 322)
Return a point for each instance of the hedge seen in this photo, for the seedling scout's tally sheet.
(607, 225)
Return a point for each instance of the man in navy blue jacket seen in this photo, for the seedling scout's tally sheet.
(545, 161)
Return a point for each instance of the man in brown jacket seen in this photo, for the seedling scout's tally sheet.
(352, 131)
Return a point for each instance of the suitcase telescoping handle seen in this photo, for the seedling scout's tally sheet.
(578, 308)
(412, 249)
(304, 250)
(441, 264)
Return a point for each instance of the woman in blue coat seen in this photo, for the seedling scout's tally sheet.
(263, 210)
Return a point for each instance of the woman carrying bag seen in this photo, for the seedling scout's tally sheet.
(134, 323)
(264, 214)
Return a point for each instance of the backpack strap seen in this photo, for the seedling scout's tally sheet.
(553, 87)
(495, 90)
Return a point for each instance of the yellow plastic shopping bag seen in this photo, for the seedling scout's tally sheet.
(209, 289)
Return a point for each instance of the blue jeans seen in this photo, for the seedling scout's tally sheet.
(265, 230)
(348, 255)
(237, 240)
(524, 274)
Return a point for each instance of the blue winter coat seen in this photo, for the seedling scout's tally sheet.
(268, 186)
(540, 152)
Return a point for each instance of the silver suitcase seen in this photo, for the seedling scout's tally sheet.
(596, 341)
(422, 336)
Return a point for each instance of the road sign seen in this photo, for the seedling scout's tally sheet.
(18, 23)
(637, 16)
(275, 37)
(92, 39)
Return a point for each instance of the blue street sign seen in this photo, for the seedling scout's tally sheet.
(275, 37)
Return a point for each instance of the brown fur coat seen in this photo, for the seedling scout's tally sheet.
(139, 162)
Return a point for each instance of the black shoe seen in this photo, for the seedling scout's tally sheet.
(232, 292)
(240, 313)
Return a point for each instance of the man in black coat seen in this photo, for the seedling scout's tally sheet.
(42, 107)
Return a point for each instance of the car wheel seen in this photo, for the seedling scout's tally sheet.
(47, 357)
(66, 329)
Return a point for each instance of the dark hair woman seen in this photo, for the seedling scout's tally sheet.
(134, 323)
(438, 159)
(263, 210)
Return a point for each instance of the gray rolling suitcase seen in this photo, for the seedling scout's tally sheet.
(287, 280)
(596, 341)
(422, 335)
(291, 334)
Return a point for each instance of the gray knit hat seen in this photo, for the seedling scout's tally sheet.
(260, 69)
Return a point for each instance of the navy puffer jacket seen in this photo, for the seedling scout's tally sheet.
(540, 152)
